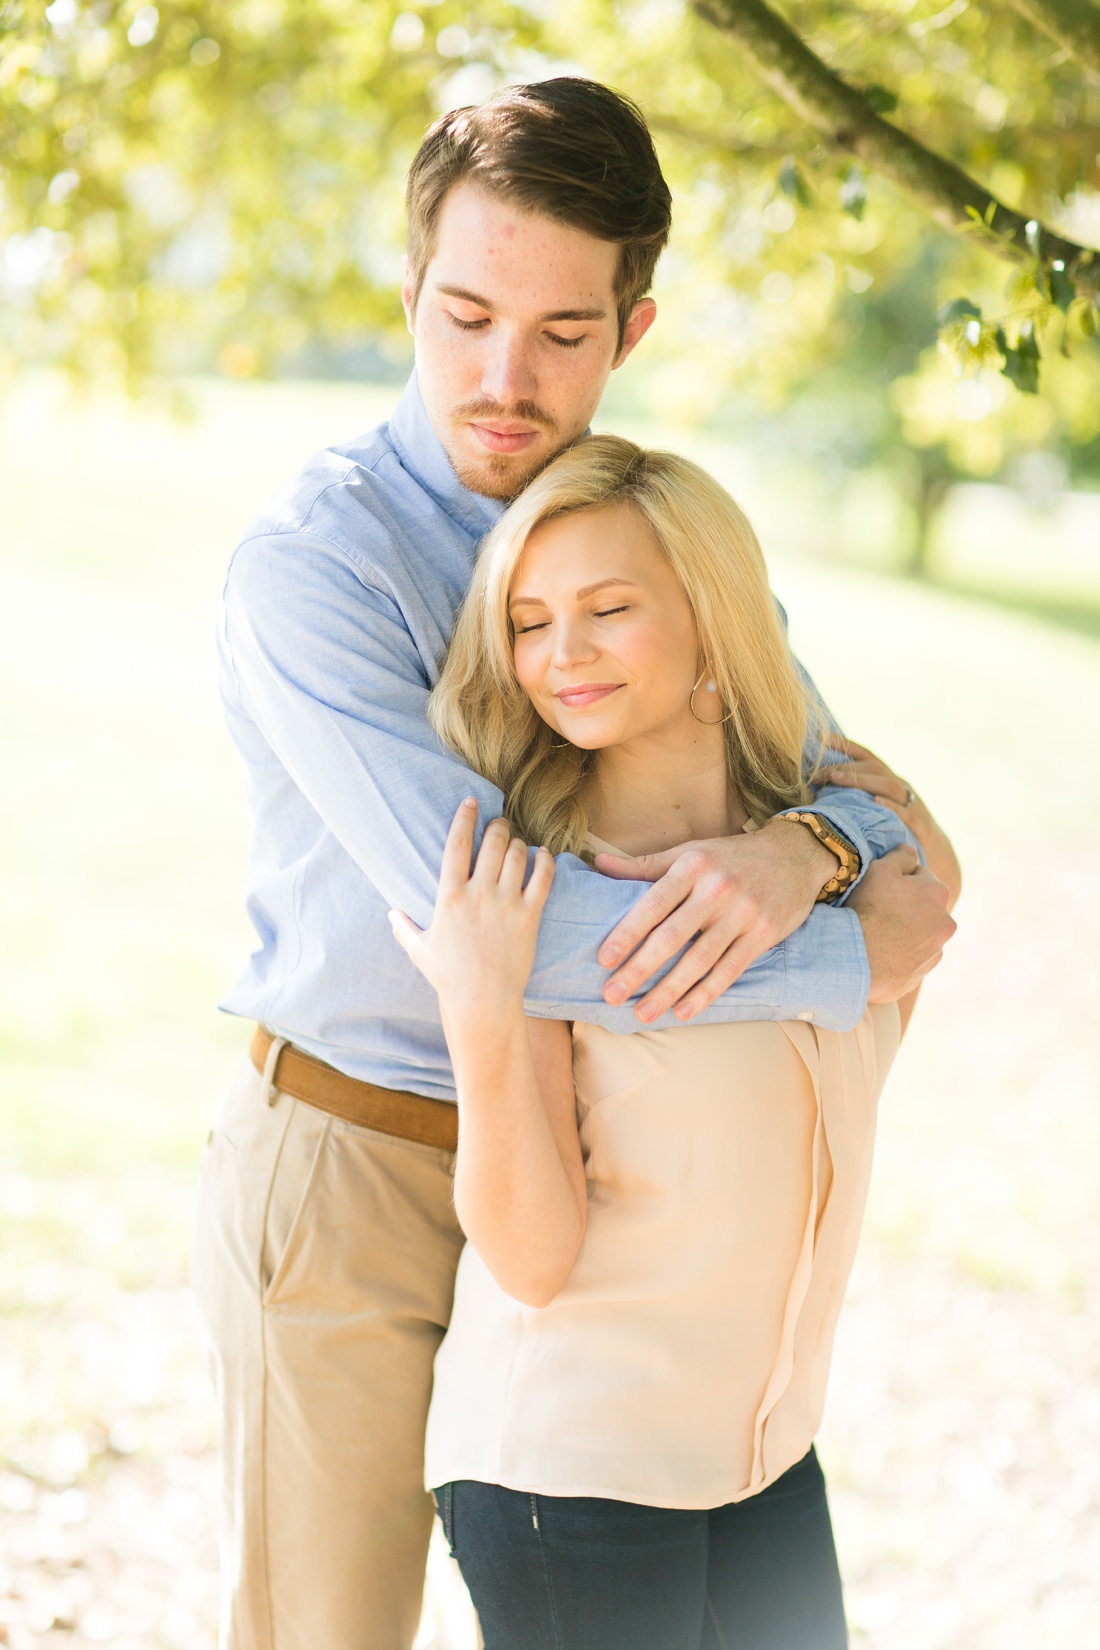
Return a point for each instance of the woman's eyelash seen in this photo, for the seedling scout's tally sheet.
(602, 613)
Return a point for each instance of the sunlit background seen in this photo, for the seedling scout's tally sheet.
(200, 229)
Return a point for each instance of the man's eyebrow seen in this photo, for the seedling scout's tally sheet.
(574, 315)
(586, 590)
(460, 292)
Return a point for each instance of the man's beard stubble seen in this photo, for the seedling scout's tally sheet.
(503, 475)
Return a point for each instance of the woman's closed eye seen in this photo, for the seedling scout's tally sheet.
(541, 624)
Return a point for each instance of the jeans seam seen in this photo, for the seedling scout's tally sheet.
(554, 1625)
(716, 1624)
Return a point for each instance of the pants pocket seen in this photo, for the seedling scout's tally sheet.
(304, 1138)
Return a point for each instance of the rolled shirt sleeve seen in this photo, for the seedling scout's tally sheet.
(319, 645)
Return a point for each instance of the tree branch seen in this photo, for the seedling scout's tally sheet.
(1073, 24)
(708, 139)
(845, 118)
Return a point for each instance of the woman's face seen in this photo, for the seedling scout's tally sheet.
(605, 642)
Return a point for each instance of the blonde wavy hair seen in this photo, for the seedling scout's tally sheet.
(480, 710)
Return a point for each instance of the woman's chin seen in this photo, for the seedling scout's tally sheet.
(591, 738)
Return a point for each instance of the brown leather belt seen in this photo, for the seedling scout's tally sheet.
(391, 1111)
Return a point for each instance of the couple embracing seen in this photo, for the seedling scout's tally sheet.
(548, 1207)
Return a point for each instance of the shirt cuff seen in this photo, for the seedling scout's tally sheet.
(841, 821)
(840, 996)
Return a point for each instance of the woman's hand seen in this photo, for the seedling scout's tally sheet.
(480, 948)
(520, 1191)
(868, 772)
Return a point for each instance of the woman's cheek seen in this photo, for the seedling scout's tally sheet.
(530, 670)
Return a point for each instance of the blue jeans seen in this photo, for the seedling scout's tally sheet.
(582, 1573)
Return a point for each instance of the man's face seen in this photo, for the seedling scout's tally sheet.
(516, 332)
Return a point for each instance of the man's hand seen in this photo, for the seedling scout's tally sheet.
(868, 772)
(741, 895)
(903, 910)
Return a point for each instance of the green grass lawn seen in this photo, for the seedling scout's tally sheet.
(961, 1431)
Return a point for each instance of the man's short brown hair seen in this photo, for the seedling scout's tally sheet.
(570, 149)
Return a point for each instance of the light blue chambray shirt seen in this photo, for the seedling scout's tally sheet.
(338, 607)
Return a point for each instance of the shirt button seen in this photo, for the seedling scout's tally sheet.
(807, 1014)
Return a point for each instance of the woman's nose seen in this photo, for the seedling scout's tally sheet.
(572, 645)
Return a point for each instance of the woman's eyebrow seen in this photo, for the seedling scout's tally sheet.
(585, 590)
(602, 584)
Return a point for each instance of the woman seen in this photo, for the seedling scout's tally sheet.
(660, 1225)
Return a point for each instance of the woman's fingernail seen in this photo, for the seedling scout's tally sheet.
(615, 993)
(470, 802)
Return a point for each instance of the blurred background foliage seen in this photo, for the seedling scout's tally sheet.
(217, 184)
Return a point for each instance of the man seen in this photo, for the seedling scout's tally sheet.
(326, 1241)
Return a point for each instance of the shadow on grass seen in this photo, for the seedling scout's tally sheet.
(1081, 616)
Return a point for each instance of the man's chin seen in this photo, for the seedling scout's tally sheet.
(499, 475)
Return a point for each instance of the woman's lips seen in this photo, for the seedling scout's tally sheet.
(589, 693)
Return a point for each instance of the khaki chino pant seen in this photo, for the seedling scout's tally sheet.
(323, 1267)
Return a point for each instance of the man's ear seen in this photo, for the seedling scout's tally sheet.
(408, 290)
(642, 317)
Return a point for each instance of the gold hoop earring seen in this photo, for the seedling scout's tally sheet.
(712, 687)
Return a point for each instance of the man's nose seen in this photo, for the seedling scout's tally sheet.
(508, 375)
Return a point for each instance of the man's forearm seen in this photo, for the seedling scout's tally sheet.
(873, 829)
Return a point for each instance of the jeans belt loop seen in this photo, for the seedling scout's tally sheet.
(268, 1092)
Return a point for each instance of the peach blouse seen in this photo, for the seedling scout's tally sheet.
(684, 1362)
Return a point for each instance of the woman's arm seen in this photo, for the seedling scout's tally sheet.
(519, 1179)
(520, 1192)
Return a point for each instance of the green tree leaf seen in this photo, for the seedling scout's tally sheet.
(882, 100)
(793, 184)
(1022, 363)
(853, 191)
(1062, 289)
(959, 309)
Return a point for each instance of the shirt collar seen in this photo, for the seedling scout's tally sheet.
(421, 453)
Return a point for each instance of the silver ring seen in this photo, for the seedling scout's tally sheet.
(910, 796)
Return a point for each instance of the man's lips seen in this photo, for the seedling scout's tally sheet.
(588, 693)
(505, 438)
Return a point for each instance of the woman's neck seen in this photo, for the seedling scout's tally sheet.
(649, 795)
